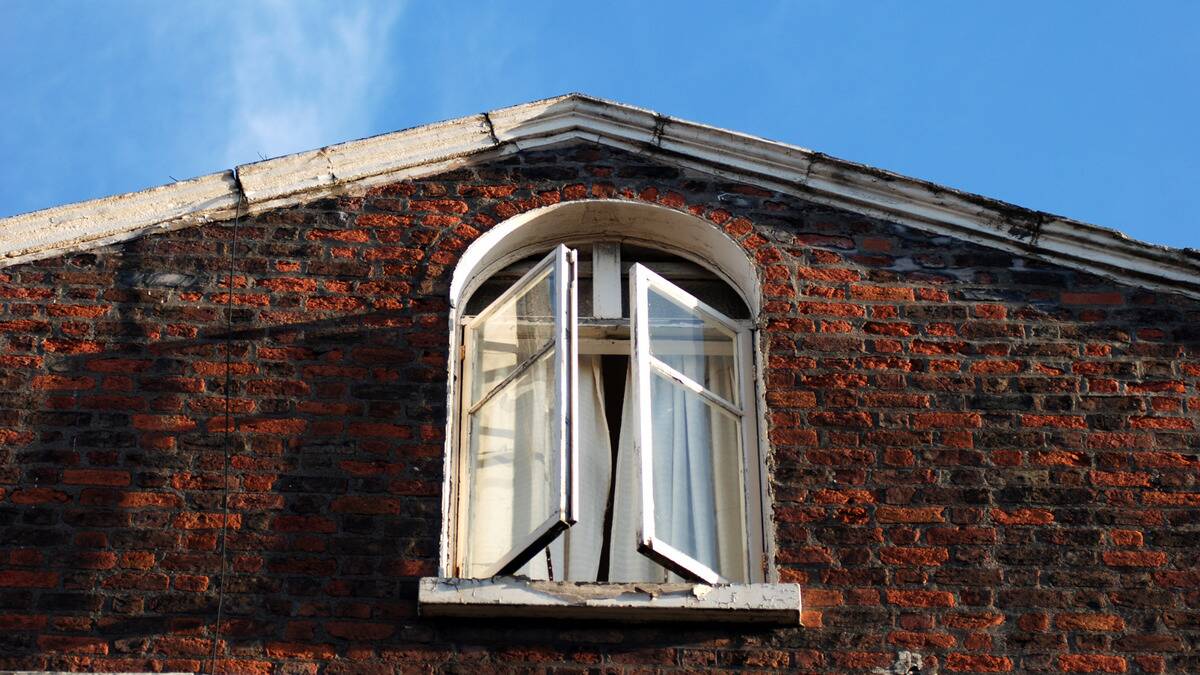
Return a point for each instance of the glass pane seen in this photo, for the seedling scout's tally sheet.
(512, 333)
(697, 471)
(681, 335)
(514, 467)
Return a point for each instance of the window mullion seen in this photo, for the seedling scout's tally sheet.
(606, 280)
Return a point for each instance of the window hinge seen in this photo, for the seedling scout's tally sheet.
(462, 352)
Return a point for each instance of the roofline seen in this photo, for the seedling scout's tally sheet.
(434, 148)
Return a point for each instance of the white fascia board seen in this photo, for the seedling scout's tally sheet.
(104, 221)
(304, 172)
(434, 148)
(630, 602)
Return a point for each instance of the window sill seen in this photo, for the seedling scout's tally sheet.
(521, 597)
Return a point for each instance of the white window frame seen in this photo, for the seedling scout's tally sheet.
(561, 263)
(582, 223)
(607, 281)
(645, 366)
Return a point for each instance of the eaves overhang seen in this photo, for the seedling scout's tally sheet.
(434, 148)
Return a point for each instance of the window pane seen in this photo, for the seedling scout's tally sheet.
(514, 467)
(697, 470)
(512, 333)
(679, 333)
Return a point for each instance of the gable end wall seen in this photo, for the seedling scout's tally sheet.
(979, 459)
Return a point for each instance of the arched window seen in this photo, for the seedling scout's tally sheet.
(605, 421)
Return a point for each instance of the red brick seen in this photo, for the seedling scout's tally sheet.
(1090, 622)
(163, 422)
(1120, 479)
(379, 429)
(359, 631)
(16, 361)
(859, 292)
(72, 346)
(72, 645)
(1023, 517)
(1134, 558)
(861, 660)
(920, 598)
(978, 663)
(1059, 421)
(946, 420)
(831, 309)
(1091, 663)
(27, 579)
(207, 521)
(916, 514)
(1059, 458)
(242, 666)
(14, 437)
(191, 583)
(996, 367)
(1092, 298)
(24, 326)
(141, 581)
(95, 560)
(137, 560)
(1164, 423)
(295, 650)
(303, 524)
(283, 427)
(110, 477)
(20, 622)
(833, 275)
(1190, 499)
(38, 496)
(968, 621)
(914, 556)
(1131, 538)
(62, 383)
(155, 500)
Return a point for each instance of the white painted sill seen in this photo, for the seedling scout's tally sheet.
(521, 597)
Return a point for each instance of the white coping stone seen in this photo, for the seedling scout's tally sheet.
(520, 597)
(357, 165)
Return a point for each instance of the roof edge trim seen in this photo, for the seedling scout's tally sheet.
(433, 148)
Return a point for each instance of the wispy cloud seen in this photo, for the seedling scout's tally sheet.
(306, 75)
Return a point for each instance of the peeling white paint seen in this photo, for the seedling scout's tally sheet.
(516, 596)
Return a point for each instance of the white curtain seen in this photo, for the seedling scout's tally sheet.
(513, 470)
(697, 478)
(575, 555)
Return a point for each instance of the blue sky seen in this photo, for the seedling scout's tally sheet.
(1085, 109)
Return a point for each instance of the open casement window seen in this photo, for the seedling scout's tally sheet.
(633, 424)
(517, 468)
(691, 422)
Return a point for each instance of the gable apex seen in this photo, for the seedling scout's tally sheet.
(435, 148)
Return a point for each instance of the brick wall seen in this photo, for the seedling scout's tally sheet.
(976, 458)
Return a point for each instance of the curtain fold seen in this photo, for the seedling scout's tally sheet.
(575, 554)
(697, 481)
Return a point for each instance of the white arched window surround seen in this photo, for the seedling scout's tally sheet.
(577, 224)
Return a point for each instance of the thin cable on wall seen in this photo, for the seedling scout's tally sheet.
(232, 254)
